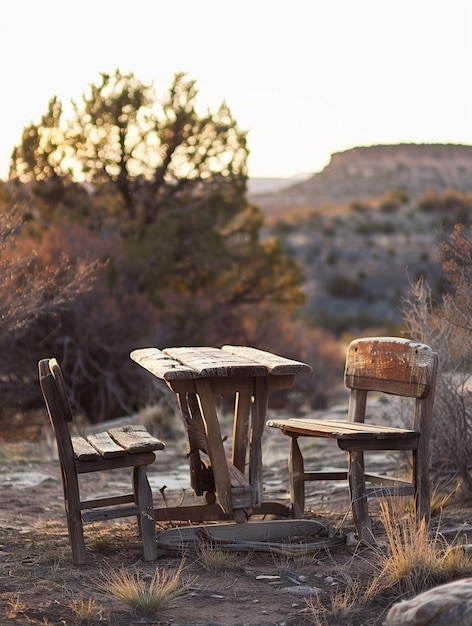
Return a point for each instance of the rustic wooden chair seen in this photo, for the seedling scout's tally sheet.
(379, 364)
(127, 447)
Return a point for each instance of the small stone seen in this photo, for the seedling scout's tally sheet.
(301, 590)
(351, 540)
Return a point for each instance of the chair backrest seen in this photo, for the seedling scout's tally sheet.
(392, 365)
(57, 403)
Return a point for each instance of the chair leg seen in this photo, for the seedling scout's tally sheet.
(297, 484)
(74, 520)
(359, 505)
(422, 486)
(147, 523)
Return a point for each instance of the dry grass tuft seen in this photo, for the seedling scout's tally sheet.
(347, 600)
(415, 561)
(15, 607)
(86, 612)
(145, 597)
(286, 559)
(317, 611)
(344, 604)
(214, 558)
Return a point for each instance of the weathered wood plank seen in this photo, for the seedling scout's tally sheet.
(391, 365)
(105, 446)
(274, 363)
(232, 384)
(360, 510)
(340, 429)
(118, 462)
(265, 536)
(242, 411)
(259, 411)
(213, 362)
(135, 439)
(237, 478)
(83, 451)
(215, 450)
(161, 365)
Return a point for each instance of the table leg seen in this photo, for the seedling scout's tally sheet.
(242, 411)
(215, 444)
(259, 410)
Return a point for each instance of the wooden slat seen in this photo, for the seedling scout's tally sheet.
(83, 451)
(259, 411)
(161, 365)
(135, 439)
(390, 364)
(233, 384)
(274, 363)
(118, 462)
(242, 411)
(213, 362)
(237, 478)
(285, 531)
(105, 446)
(340, 429)
(100, 515)
(104, 502)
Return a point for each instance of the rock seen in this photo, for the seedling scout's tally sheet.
(447, 605)
(301, 590)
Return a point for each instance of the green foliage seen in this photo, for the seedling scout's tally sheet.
(42, 151)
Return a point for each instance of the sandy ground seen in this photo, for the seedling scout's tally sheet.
(39, 585)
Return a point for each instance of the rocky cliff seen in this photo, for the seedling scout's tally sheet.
(367, 172)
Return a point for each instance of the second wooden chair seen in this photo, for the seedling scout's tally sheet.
(389, 365)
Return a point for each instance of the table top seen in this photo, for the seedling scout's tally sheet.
(207, 362)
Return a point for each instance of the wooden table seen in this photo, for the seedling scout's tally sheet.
(198, 376)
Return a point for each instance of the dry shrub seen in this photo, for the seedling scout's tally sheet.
(86, 612)
(344, 603)
(443, 328)
(414, 561)
(146, 597)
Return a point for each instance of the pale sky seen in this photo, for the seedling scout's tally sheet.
(306, 78)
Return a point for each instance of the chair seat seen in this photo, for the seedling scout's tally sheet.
(339, 429)
(350, 436)
(117, 442)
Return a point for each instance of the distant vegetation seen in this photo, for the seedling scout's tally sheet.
(360, 259)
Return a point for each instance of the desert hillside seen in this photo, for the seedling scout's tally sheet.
(366, 172)
(368, 225)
